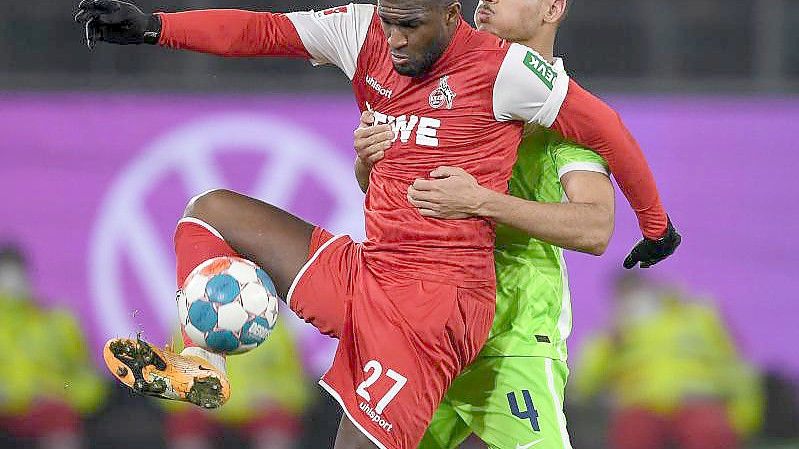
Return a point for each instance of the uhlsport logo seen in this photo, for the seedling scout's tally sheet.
(131, 263)
(443, 95)
(374, 84)
(375, 417)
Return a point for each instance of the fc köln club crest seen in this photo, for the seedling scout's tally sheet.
(442, 95)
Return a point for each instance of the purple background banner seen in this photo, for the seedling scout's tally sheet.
(92, 186)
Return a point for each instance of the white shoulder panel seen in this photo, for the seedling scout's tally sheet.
(335, 35)
(528, 88)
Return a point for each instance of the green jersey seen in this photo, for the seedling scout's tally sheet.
(533, 316)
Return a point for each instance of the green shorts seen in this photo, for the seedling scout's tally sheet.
(509, 402)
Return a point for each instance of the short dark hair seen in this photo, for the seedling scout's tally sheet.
(445, 3)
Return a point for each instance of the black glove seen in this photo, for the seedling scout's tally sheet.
(117, 22)
(650, 252)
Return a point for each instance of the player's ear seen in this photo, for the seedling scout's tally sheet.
(556, 11)
(453, 12)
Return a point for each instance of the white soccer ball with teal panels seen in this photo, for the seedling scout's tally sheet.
(228, 305)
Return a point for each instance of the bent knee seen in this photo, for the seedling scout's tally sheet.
(204, 204)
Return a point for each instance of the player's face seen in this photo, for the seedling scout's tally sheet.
(417, 31)
(512, 20)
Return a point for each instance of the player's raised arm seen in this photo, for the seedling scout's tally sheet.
(330, 36)
(591, 122)
(530, 89)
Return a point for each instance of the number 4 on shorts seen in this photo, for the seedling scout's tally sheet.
(530, 413)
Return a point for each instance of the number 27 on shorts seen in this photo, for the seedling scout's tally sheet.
(376, 371)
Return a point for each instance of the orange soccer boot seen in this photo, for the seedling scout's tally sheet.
(152, 371)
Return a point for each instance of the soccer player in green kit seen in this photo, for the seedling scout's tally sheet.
(560, 197)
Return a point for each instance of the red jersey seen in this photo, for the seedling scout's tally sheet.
(468, 111)
(457, 114)
(445, 118)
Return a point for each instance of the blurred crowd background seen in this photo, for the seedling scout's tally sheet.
(102, 149)
(644, 45)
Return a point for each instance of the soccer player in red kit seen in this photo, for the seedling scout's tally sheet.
(413, 304)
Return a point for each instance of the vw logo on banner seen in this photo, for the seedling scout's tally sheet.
(131, 261)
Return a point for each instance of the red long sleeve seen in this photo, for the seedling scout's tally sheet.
(231, 32)
(587, 120)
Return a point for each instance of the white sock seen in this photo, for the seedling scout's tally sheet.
(217, 360)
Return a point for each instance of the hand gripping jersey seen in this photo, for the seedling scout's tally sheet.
(465, 112)
(339, 36)
(513, 392)
(468, 112)
(413, 305)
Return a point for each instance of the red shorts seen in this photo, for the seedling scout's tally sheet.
(401, 341)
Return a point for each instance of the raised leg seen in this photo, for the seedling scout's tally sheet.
(272, 238)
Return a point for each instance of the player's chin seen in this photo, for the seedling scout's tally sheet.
(407, 69)
(484, 26)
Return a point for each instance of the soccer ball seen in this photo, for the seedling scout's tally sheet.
(228, 305)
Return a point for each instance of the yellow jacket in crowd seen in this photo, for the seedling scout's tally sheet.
(44, 357)
(681, 352)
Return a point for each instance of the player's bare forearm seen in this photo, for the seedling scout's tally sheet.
(231, 32)
(583, 224)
